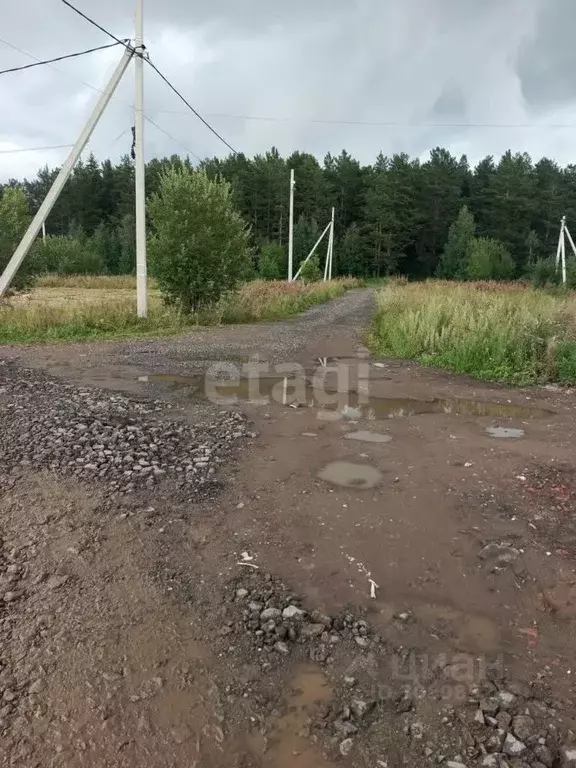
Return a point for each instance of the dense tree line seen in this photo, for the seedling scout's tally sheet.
(392, 216)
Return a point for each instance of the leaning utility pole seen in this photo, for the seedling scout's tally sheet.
(60, 180)
(291, 228)
(139, 165)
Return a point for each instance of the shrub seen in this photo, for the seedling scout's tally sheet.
(66, 255)
(311, 272)
(14, 220)
(272, 262)
(488, 259)
(544, 272)
(199, 249)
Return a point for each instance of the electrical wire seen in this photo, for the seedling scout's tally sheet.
(34, 149)
(57, 58)
(190, 107)
(164, 131)
(95, 24)
(369, 123)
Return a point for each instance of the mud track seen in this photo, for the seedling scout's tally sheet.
(371, 583)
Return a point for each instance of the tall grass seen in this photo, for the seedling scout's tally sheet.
(77, 311)
(269, 300)
(489, 330)
(91, 282)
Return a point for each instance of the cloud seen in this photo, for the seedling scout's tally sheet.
(469, 66)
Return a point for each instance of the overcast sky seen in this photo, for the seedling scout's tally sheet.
(475, 68)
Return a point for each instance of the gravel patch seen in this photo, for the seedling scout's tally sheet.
(498, 722)
(124, 443)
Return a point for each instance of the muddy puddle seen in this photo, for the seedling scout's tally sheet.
(364, 436)
(302, 391)
(349, 475)
(288, 742)
(505, 432)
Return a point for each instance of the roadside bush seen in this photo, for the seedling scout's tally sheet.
(199, 249)
(66, 255)
(311, 272)
(488, 259)
(14, 220)
(544, 273)
(271, 261)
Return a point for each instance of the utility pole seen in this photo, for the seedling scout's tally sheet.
(563, 251)
(60, 180)
(331, 246)
(291, 228)
(139, 165)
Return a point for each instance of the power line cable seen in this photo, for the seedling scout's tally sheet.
(190, 107)
(163, 130)
(374, 123)
(98, 26)
(34, 149)
(57, 58)
(60, 71)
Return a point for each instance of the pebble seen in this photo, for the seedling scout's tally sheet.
(506, 699)
(10, 597)
(293, 612)
(269, 614)
(522, 727)
(544, 755)
(361, 708)
(282, 648)
(513, 746)
(346, 747)
(568, 757)
(242, 593)
(312, 630)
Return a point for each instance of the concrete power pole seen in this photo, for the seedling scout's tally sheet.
(139, 166)
(291, 228)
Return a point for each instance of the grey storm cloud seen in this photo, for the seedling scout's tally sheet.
(477, 77)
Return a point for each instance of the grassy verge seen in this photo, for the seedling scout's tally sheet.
(68, 309)
(90, 282)
(497, 331)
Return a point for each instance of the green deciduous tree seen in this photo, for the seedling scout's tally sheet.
(272, 262)
(200, 244)
(454, 259)
(14, 220)
(489, 259)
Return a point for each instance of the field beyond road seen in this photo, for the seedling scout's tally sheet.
(91, 307)
(497, 331)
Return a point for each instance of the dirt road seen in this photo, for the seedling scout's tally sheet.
(371, 571)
